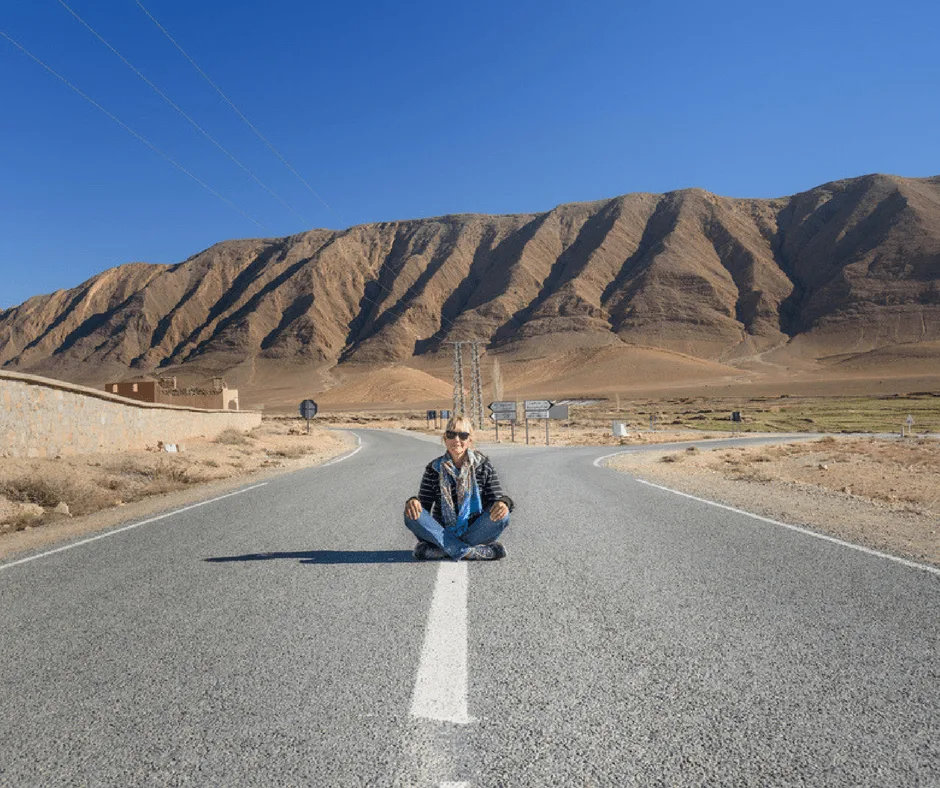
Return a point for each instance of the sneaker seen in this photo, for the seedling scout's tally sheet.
(425, 551)
(485, 552)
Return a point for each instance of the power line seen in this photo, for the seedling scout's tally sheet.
(127, 128)
(175, 106)
(259, 135)
(182, 169)
(236, 109)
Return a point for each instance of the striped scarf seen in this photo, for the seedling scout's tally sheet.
(464, 479)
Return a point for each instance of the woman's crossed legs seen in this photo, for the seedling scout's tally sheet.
(483, 530)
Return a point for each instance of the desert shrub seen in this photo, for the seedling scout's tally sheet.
(50, 490)
(692, 450)
(671, 458)
(289, 452)
(753, 476)
(232, 437)
(20, 522)
(136, 478)
(210, 463)
(45, 491)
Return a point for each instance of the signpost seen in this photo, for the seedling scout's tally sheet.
(542, 409)
(308, 409)
(909, 421)
(504, 411)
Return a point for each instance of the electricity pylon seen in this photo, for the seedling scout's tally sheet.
(475, 414)
(458, 380)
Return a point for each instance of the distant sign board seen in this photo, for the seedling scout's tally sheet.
(537, 414)
(308, 409)
(503, 417)
(503, 407)
(432, 414)
(537, 404)
(558, 412)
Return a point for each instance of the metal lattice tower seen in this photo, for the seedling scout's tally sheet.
(476, 386)
(459, 402)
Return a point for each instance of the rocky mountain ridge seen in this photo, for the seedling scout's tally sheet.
(848, 267)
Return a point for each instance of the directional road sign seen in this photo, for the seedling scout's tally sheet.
(536, 414)
(503, 416)
(537, 404)
(308, 409)
(503, 407)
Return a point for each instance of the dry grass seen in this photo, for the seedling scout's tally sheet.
(882, 492)
(49, 490)
(688, 418)
(232, 437)
(31, 489)
(873, 414)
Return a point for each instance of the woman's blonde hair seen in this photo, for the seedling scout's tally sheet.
(459, 423)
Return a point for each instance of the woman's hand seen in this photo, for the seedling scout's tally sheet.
(413, 509)
(498, 511)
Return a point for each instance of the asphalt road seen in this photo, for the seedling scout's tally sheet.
(632, 637)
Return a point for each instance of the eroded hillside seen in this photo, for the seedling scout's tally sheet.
(849, 267)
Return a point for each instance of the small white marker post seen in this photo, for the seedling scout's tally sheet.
(909, 421)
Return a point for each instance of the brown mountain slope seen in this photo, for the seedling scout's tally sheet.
(847, 268)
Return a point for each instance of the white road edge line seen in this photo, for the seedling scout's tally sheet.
(599, 460)
(440, 691)
(129, 527)
(344, 457)
(455, 785)
(912, 564)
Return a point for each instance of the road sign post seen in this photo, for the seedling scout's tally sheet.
(308, 409)
(504, 410)
(538, 409)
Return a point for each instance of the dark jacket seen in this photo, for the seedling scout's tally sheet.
(491, 490)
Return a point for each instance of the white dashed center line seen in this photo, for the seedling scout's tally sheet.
(440, 691)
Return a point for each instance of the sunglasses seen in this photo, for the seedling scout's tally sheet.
(450, 435)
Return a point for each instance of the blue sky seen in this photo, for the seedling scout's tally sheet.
(397, 110)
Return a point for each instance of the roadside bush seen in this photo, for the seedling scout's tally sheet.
(232, 437)
(289, 452)
(49, 491)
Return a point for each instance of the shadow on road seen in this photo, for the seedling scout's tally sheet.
(326, 557)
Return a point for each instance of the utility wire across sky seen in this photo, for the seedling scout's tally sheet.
(202, 183)
(127, 128)
(175, 106)
(237, 110)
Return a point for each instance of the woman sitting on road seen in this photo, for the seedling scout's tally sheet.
(461, 509)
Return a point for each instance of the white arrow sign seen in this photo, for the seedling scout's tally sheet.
(503, 407)
(536, 414)
(537, 404)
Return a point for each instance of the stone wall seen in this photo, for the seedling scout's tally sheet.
(41, 417)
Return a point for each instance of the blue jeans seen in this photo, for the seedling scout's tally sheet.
(483, 530)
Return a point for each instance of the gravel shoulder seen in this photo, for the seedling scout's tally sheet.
(880, 493)
(100, 491)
